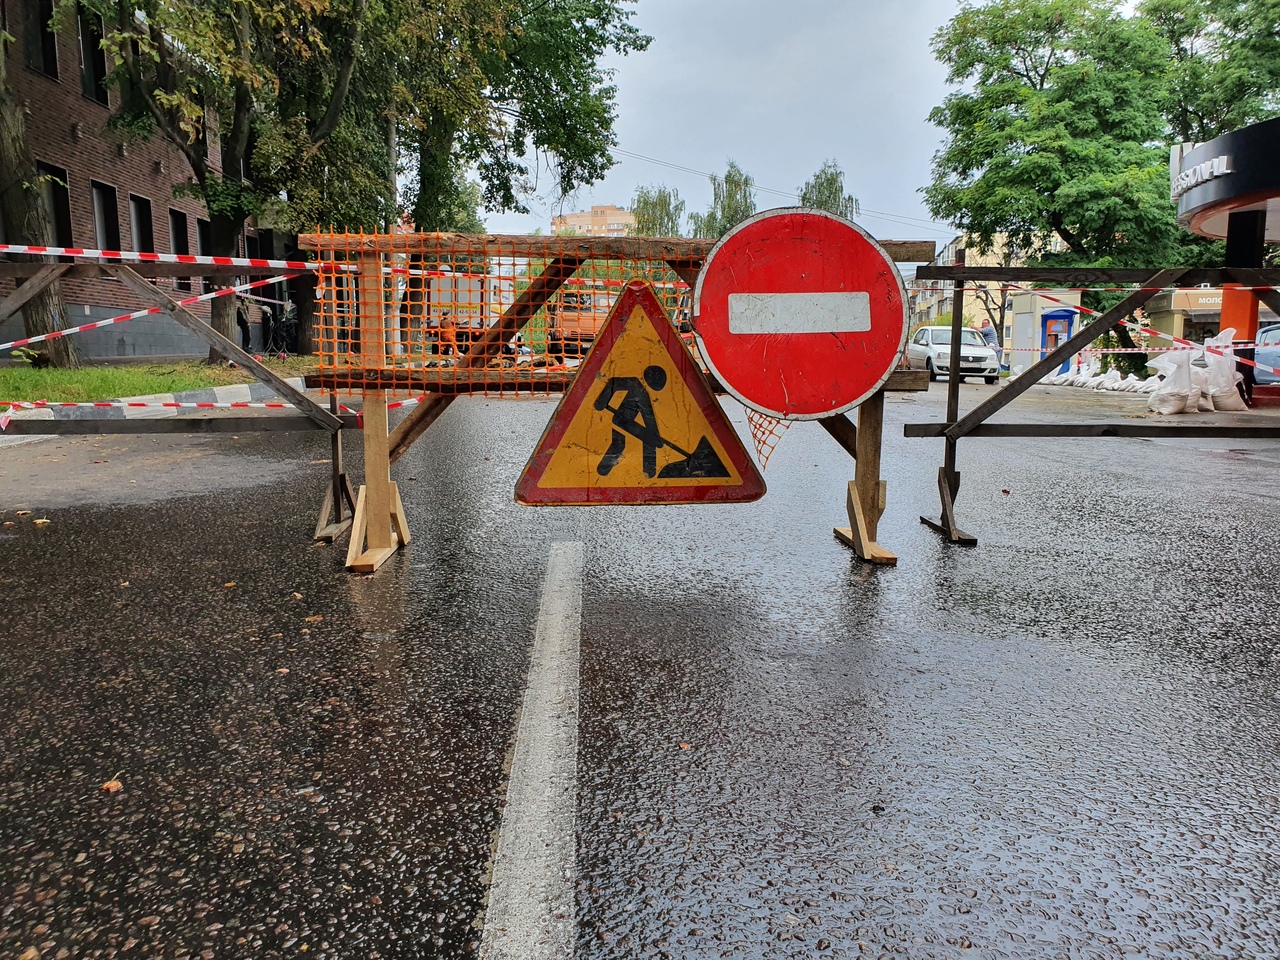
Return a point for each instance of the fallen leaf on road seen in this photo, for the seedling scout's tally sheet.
(10, 523)
(229, 584)
(42, 521)
(112, 785)
(685, 746)
(297, 596)
(315, 619)
(1005, 492)
(282, 671)
(124, 583)
(24, 513)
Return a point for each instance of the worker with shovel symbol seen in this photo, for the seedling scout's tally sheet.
(634, 417)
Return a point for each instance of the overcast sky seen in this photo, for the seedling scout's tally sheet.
(779, 87)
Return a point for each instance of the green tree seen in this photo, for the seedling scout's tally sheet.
(658, 211)
(1224, 63)
(218, 77)
(733, 200)
(1060, 132)
(499, 80)
(825, 191)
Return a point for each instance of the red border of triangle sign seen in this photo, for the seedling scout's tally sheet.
(601, 460)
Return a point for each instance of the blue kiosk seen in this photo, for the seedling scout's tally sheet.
(1055, 328)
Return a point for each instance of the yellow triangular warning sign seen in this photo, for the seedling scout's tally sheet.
(639, 424)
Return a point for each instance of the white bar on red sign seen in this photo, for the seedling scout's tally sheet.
(792, 313)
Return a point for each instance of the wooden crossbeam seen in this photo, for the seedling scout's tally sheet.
(46, 274)
(1087, 276)
(1073, 345)
(669, 249)
(205, 332)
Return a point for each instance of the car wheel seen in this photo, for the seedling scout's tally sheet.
(990, 380)
(933, 374)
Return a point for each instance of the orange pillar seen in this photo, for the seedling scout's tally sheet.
(1246, 244)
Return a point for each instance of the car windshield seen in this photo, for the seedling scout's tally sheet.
(968, 337)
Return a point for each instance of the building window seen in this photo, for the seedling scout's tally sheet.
(140, 226)
(93, 60)
(106, 216)
(57, 203)
(42, 42)
(204, 243)
(179, 241)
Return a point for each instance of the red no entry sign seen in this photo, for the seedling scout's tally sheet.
(799, 313)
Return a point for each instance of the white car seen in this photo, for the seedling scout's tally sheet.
(930, 349)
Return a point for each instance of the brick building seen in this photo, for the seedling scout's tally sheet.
(101, 190)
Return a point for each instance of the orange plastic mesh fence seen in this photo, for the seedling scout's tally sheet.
(493, 315)
(766, 434)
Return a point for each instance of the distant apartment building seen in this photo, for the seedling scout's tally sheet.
(931, 301)
(599, 221)
(100, 189)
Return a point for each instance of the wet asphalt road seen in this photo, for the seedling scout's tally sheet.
(1063, 743)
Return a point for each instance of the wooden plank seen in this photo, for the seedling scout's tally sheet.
(399, 519)
(46, 274)
(1104, 324)
(1085, 276)
(671, 250)
(907, 381)
(514, 318)
(458, 381)
(1192, 430)
(512, 321)
(355, 546)
(866, 477)
(843, 432)
(417, 423)
(224, 346)
(377, 472)
(283, 423)
(688, 272)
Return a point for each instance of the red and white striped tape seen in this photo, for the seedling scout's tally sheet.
(1188, 344)
(226, 291)
(133, 404)
(141, 256)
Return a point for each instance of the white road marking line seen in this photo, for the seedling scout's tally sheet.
(791, 313)
(530, 915)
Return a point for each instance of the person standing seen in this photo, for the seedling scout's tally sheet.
(992, 340)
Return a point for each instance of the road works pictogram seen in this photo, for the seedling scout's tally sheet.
(639, 424)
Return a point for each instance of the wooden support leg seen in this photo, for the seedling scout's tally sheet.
(382, 515)
(334, 519)
(948, 486)
(866, 495)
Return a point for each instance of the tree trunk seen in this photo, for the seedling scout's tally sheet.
(435, 176)
(25, 220)
(225, 240)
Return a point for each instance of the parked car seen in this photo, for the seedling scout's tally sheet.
(1267, 352)
(930, 349)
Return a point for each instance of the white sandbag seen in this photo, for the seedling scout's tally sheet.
(1204, 403)
(1174, 389)
(1167, 402)
(1193, 402)
(1110, 380)
(1228, 400)
(1130, 383)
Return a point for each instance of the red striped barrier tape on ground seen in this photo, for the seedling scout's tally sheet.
(41, 338)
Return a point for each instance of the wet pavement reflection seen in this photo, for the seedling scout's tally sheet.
(1061, 743)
